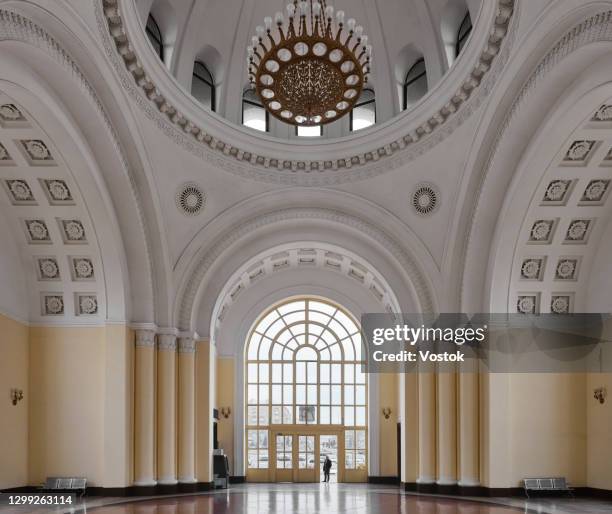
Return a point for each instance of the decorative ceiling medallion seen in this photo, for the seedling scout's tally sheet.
(82, 269)
(52, 304)
(36, 152)
(312, 69)
(528, 303)
(57, 191)
(561, 304)
(190, 199)
(596, 192)
(73, 231)
(533, 268)
(47, 268)
(5, 158)
(19, 192)
(604, 113)
(579, 153)
(542, 231)
(263, 167)
(11, 116)
(578, 231)
(86, 304)
(557, 192)
(426, 199)
(37, 232)
(567, 269)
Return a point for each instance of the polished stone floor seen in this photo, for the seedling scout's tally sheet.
(324, 499)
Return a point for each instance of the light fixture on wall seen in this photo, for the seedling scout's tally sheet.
(16, 395)
(386, 412)
(600, 394)
(225, 412)
(311, 68)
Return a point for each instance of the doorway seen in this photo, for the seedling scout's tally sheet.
(328, 447)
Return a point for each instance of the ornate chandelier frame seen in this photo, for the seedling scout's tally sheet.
(310, 72)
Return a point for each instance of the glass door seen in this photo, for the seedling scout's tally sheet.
(328, 447)
(284, 458)
(307, 470)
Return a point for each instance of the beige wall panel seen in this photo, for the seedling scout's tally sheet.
(225, 398)
(14, 426)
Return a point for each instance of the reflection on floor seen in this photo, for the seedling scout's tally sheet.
(326, 499)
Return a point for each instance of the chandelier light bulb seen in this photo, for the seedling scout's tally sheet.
(255, 41)
(290, 10)
(358, 31)
(316, 8)
(268, 23)
(260, 31)
(364, 41)
(280, 19)
(303, 8)
(351, 24)
(329, 12)
(340, 17)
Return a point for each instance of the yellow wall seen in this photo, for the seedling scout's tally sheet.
(205, 401)
(536, 427)
(599, 429)
(225, 398)
(80, 405)
(14, 425)
(388, 397)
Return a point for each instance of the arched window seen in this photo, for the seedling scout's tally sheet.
(305, 366)
(254, 115)
(203, 85)
(465, 29)
(155, 36)
(363, 114)
(415, 83)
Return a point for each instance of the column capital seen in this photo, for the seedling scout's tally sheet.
(166, 342)
(186, 345)
(145, 338)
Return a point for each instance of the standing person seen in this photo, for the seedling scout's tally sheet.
(326, 468)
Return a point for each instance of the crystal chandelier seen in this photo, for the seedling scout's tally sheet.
(311, 69)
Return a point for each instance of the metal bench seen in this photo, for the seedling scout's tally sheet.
(65, 484)
(554, 484)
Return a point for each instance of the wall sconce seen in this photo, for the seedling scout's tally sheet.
(386, 412)
(16, 395)
(600, 394)
(225, 412)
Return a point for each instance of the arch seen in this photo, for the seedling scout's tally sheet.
(155, 36)
(197, 281)
(304, 365)
(363, 114)
(203, 86)
(415, 83)
(254, 115)
(98, 128)
(454, 14)
(530, 81)
(163, 14)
